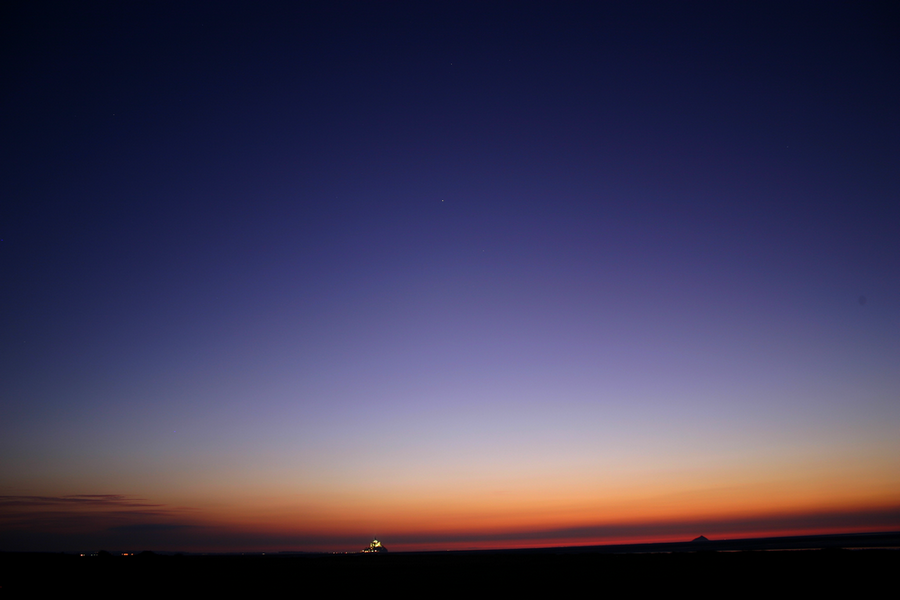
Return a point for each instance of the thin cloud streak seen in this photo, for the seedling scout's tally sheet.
(105, 500)
(876, 519)
(80, 514)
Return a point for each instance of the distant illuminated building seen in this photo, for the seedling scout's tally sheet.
(375, 546)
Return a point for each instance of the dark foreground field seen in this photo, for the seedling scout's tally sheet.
(675, 568)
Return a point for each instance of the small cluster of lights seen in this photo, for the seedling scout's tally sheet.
(375, 546)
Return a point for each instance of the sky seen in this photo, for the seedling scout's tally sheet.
(291, 276)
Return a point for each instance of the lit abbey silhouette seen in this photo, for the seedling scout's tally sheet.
(375, 547)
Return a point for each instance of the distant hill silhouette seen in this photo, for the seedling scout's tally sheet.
(702, 538)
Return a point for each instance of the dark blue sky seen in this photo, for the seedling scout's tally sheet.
(545, 233)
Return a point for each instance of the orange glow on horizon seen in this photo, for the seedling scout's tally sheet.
(494, 513)
(486, 533)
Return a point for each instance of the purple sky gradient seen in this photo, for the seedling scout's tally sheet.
(264, 263)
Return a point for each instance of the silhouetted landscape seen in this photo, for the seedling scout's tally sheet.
(790, 564)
